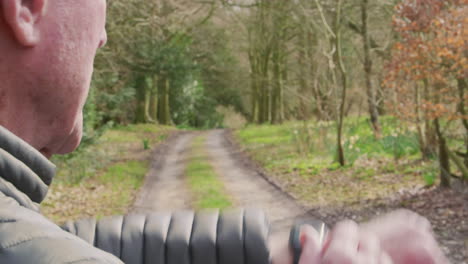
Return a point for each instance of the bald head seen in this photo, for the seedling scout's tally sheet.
(48, 49)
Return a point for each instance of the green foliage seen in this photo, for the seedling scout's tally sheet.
(395, 142)
(429, 178)
(110, 106)
(219, 68)
(148, 42)
(145, 142)
(194, 108)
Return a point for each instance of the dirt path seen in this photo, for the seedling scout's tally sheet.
(164, 187)
(248, 188)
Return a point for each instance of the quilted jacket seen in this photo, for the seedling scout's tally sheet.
(238, 236)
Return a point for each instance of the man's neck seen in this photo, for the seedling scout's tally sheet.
(14, 117)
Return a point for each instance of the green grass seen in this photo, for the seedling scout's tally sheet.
(317, 140)
(102, 178)
(125, 179)
(116, 144)
(128, 173)
(302, 156)
(207, 189)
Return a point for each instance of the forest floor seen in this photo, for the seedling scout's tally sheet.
(169, 186)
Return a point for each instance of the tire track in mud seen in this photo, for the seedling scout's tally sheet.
(164, 188)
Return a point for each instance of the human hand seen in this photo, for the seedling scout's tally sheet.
(310, 244)
(401, 237)
(407, 237)
(348, 244)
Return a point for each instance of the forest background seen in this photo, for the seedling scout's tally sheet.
(354, 107)
(399, 67)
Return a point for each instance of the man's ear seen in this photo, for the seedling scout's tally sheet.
(23, 16)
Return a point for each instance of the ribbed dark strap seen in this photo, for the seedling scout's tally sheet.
(203, 241)
(157, 226)
(209, 237)
(108, 235)
(231, 237)
(256, 232)
(86, 229)
(132, 245)
(178, 238)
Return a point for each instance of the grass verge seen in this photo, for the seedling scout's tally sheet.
(301, 156)
(206, 188)
(103, 178)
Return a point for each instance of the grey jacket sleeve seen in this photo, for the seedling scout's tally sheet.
(229, 237)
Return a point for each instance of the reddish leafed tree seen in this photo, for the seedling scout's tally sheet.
(428, 72)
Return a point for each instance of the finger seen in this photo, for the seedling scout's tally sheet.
(343, 244)
(409, 218)
(369, 243)
(415, 251)
(369, 251)
(385, 259)
(310, 245)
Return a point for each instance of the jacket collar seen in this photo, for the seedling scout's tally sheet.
(24, 167)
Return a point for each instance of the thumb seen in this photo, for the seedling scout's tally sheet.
(311, 247)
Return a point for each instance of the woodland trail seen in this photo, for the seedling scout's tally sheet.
(165, 186)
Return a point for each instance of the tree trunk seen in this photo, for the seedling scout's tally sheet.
(303, 104)
(284, 79)
(148, 118)
(370, 90)
(265, 92)
(344, 82)
(254, 99)
(140, 94)
(276, 87)
(420, 125)
(444, 159)
(380, 96)
(153, 109)
(164, 113)
(317, 94)
(462, 86)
